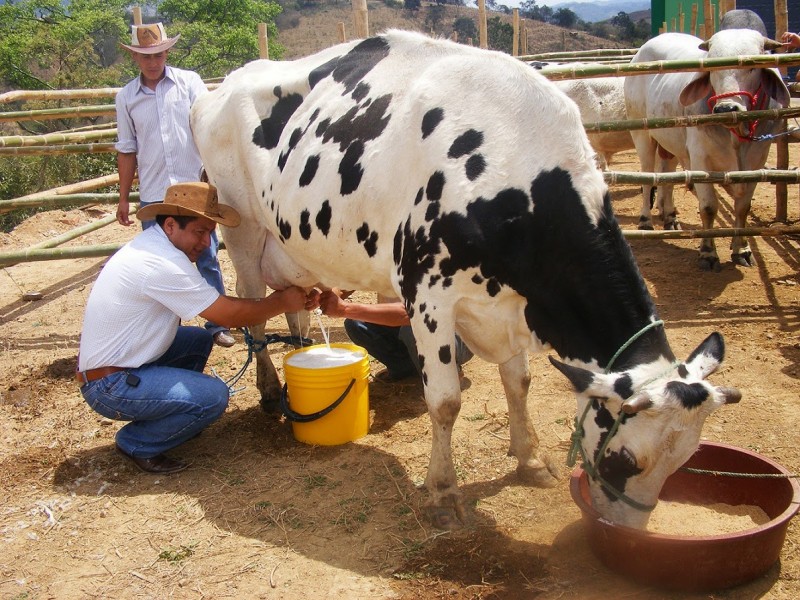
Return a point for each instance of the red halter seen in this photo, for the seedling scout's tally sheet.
(758, 101)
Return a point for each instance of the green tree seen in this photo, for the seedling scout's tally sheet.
(466, 29)
(501, 35)
(564, 17)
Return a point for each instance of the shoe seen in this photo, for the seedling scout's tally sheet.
(224, 338)
(161, 464)
(387, 376)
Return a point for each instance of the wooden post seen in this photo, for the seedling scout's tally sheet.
(524, 30)
(341, 32)
(483, 36)
(663, 28)
(782, 162)
(455, 36)
(263, 45)
(515, 25)
(137, 15)
(564, 40)
(781, 24)
(708, 20)
(694, 20)
(360, 18)
(701, 31)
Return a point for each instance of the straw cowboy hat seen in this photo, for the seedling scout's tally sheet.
(150, 39)
(192, 199)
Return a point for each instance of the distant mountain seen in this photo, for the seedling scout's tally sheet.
(602, 10)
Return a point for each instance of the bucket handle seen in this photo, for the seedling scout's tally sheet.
(298, 418)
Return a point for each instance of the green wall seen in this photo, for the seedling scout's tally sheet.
(666, 10)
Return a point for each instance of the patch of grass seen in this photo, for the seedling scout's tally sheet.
(477, 417)
(177, 555)
(355, 512)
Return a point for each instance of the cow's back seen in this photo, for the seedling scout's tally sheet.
(387, 135)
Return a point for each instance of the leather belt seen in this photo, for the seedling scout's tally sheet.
(93, 374)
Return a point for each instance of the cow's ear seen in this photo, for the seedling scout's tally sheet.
(704, 46)
(697, 89)
(707, 357)
(775, 87)
(585, 381)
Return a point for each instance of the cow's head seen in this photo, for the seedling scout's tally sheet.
(637, 427)
(732, 90)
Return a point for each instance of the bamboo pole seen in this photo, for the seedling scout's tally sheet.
(137, 15)
(14, 257)
(101, 110)
(341, 32)
(58, 201)
(781, 24)
(72, 188)
(694, 20)
(726, 119)
(263, 42)
(707, 20)
(781, 189)
(71, 94)
(524, 27)
(582, 54)
(16, 141)
(483, 37)
(689, 177)
(515, 27)
(58, 150)
(559, 72)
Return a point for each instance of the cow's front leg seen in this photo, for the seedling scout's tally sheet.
(742, 195)
(267, 382)
(709, 204)
(666, 202)
(532, 467)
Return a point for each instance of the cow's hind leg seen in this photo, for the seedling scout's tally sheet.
(709, 204)
(742, 194)
(533, 467)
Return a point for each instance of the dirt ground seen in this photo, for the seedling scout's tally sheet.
(260, 515)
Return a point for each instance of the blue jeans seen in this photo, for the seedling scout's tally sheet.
(172, 402)
(395, 347)
(208, 265)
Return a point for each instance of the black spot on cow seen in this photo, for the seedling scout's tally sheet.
(314, 116)
(284, 227)
(683, 372)
(691, 395)
(351, 68)
(352, 131)
(322, 71)
(430, 120)
(616, 469)
(447, 282)
(268, 134)
(305, 225)
(294, 139)
(263, 193)
(431, 324)
(307, 176)
(623, 386)
(323, 218)
(492, 287)
(434, 280)
(322, 127)
(368, 239)
(432, 211)
(445, 355)
(477, 279)
(435, 186)
(420, 193)
(350, 169)
(361, 92)
(475, 166)
(421, 360)
(466, 143)
(423, 307)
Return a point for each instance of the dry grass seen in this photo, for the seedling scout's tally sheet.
(303, 33)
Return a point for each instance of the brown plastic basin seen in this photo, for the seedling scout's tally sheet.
(699, 564)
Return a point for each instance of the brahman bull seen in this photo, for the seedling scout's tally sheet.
(461, 181)
(708, 148)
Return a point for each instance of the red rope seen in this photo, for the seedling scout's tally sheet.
(757, 101)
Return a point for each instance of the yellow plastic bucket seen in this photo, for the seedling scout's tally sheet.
(327, 405)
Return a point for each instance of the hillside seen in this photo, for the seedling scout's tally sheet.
(310, 31)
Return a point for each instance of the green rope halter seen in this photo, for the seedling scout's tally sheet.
(578, 434)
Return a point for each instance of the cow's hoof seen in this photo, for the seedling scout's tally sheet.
(645, 226)
(270, 405)
(710, 263)
(444, 518)
(672, 226)
(542, 477)
(745, 259)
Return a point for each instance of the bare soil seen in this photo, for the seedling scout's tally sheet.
(260, 515)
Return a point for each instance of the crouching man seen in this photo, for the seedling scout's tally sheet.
(137, 363)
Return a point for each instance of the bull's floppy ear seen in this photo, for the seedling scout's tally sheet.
(775, 87)
(707, 357)
(696, 90)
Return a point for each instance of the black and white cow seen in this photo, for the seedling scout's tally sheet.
(462, 182)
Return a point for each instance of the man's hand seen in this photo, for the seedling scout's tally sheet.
(331, 304)
(294, 298)
(123, 213)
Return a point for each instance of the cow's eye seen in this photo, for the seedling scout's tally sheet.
(628, 456)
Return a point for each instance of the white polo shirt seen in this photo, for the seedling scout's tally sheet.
(136, 304)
